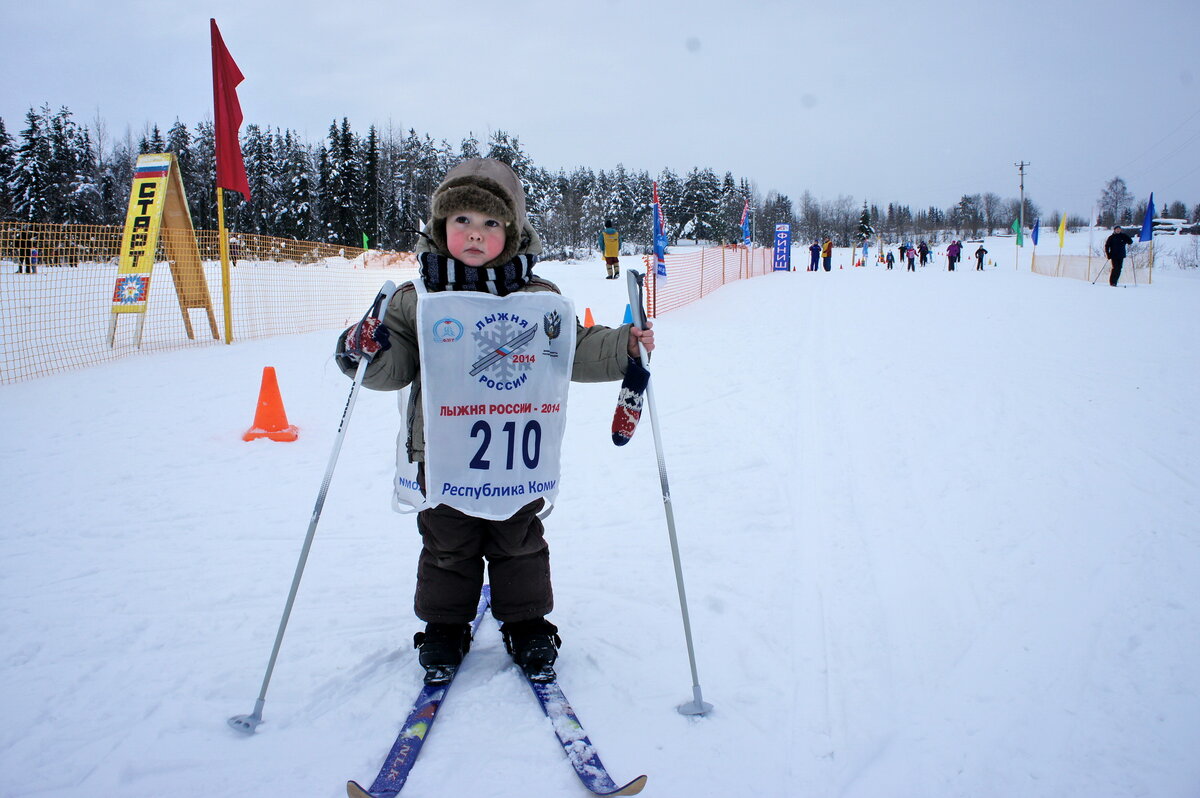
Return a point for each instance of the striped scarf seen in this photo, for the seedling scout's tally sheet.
(446, 274)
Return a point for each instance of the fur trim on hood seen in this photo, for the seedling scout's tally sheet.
(487, 186)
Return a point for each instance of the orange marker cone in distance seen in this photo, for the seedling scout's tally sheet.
(588, 321)
(270, 419)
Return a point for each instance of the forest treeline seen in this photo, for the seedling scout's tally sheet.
(55, 170)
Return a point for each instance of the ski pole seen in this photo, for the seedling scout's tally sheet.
(248, 723)
(697, 706)
(1098, 273)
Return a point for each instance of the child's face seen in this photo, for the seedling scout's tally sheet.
(474, 238)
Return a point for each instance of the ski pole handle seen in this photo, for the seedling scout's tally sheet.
(634, 280)
(378, 305)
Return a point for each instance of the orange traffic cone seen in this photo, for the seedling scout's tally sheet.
(270, 419)
(588, 321)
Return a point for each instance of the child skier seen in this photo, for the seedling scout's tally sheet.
(610, 245)
(485, 431)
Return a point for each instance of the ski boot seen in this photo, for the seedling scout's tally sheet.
(442, 647)
(533, 645)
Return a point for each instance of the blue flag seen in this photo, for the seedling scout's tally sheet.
(1148, 222)
(746, 223)
(1034, 235)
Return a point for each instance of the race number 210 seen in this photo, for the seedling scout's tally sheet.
(530, 444)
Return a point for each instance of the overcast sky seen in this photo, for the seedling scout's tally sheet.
(914, 102)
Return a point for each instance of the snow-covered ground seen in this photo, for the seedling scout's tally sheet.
(940, 533)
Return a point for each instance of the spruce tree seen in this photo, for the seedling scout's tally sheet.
(701, 204)
(179, 143)
(8, 159)
(371, 205)
(30, 182)
(670, 197)
(202, 193)
(469, 148)
(730, 214)
(865, 229)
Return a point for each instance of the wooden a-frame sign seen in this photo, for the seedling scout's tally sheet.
(158, 208)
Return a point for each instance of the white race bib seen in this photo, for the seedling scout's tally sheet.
(495, 372)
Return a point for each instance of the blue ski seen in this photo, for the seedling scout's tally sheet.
(578, 748)
(403, 756)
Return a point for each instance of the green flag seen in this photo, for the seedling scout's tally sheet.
(1016, 228)
(364, 235)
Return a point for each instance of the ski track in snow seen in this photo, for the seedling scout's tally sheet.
(938, 532)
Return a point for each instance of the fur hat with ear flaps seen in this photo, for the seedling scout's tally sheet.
(490, 187)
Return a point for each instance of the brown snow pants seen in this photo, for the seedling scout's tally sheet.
(450, 568)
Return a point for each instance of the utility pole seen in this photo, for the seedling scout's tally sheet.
(1020, 231)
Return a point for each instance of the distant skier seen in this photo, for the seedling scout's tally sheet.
(610, 245)
(952, 253)
(979, 253)
(814, 252)
(827, 254)
(891, 259)
(923, 251)
(911, 254)
(1114, 249)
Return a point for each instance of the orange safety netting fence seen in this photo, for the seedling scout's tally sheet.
(57, 289)
(693, 274)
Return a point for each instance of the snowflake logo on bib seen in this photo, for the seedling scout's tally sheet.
(502, 339)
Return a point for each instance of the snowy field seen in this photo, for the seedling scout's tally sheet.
(940, 533)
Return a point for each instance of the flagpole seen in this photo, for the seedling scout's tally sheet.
(223, 246)
(230, 169)
(1021, 171)
(1091, 232)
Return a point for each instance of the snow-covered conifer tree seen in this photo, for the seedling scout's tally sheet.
(29, 182)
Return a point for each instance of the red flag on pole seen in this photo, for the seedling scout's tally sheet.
(227, 115)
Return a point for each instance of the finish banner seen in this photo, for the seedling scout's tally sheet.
(783, 248)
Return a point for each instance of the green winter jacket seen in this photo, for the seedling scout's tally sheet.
(601, 355)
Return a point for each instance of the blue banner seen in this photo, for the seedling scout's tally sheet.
(783, 247)
(1148, 222)
(660, 242)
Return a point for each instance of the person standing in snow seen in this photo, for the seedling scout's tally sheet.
(1114, 250)
(610, 245)
(911, 254)
(923, 251)
(890, 259)
(814, 252)
(476, 278)
(827, 254)
(952, 253)
(979, 253)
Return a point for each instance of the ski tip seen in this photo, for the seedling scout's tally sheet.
(632, 788)
(355, 790)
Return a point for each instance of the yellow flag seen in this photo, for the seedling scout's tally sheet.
(1062, 230)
